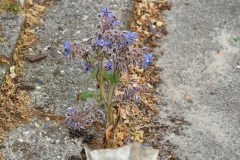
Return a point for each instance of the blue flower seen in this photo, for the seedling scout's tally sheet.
(70, 123)
(106, 12)
(113, 20)
(100, 43)
(88, 67)
(109, 66)
(67, 48)
(148, 59)
(131, 37)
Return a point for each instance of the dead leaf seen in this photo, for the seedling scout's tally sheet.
(108, 132)
(30, 2)
(39, 8)
(5, 59)
(35, 58)
(178, 122)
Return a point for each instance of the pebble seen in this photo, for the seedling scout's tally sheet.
(58, 157)
(20, 140)
(38, 87)
(47, 119)
(60, 28)
(84, 17)
(26, 132)
(48, 139)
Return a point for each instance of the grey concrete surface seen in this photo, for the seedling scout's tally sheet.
(60, 79)
(10, 27)
(191, 64)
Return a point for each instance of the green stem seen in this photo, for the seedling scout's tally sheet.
(110, 119)
(101, 83)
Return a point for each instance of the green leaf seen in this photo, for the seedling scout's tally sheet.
(15, 8)
(235, 39)
(110, 76)
(94, 73)
(85, 95)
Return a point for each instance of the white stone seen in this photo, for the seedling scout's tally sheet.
(20, 140)
(26, 132)
(21, 2)
(38, 87)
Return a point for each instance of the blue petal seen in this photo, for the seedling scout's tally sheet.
(99, 42)
(66, 44)
(104, 9)
(106, 42)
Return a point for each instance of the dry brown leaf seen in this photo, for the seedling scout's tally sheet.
(178, 122)
(39, 8)
(108, 132)
(31, 19)
(5, 59)
(29, 2)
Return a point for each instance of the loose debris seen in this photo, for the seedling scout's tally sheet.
(35, 58)
(148, 20)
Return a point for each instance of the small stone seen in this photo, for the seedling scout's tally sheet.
(26, 132)
(47, 119)
(36, 124)
(58, 157)
(37, 80)
(159, 23)
(21, 2)
(60, 28)
(38, 87)
(48, 139)
(84, 17)
(12, 69)
(20, 140)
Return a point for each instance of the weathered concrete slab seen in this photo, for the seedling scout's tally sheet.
(10, 27)
(72, 20)
(199, 59)
(11, 24)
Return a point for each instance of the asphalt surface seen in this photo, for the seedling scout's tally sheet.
(200, 59)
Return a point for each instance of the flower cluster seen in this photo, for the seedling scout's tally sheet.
(81, 119)
(132, 92)
(114, 44)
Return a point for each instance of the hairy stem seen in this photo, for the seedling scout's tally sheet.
(101, 82)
